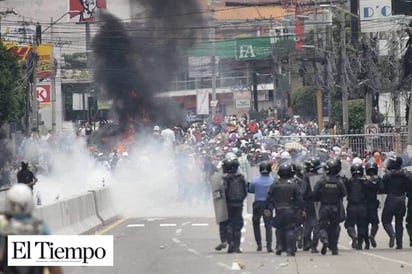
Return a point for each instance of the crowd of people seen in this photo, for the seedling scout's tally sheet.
(305, 189)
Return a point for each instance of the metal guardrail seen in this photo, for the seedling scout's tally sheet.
(385, 142)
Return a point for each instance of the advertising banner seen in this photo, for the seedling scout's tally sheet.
(202, 102)
(88, 9)
(23, 52)
(376, 15)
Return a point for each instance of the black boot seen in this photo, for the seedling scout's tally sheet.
(352, 235)
(324, 248)
(392, 241)
(221, 246)
(367, 243)
(373, 241)
(359, 244)
(232, 248)
(259, 247)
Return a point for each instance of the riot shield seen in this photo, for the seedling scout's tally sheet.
(219, 197)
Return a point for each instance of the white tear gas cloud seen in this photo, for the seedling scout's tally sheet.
(149, 182)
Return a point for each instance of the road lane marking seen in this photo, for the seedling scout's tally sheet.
(110, 227)
(167, 225)
(200, 224)
(386, 258)
(379, 257)
(135, 225)
(155, 219)
(179, 231)
(194, 251)
(185, 223)
(224, 265)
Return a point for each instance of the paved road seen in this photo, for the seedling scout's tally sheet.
(186, 246)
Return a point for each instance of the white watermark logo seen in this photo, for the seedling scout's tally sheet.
(63, 250)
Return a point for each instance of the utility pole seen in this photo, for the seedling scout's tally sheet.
(53, 79)
(275, 75)
(317, 70)
(213, 60)
(396, 95)
(345, 112)
(368, 93)
(34, 123)
(330, 65)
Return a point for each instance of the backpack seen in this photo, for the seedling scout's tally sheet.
(235, 186)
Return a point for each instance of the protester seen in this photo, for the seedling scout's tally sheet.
(26, 176)
(18, 220)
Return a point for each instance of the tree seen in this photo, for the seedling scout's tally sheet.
(304, 102)
(356, 109)
(12, 95)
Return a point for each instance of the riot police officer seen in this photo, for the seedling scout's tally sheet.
(409, 212)
(373, 187)
(395, 184)
(300, 171)
(355, 222)
(285, 196)
(236, 191)
(329, 192)
(260, 186)
(310, 225)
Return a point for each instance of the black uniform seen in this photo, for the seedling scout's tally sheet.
(356, 222)
(236, 191)
(301, 183)
(395, 184)
(330, 192)
(310, 224)
(373, 187)
(285, 196)
(409, 212)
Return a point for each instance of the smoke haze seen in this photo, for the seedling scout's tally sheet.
(131, 64)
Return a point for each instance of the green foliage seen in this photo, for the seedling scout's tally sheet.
(356, 110)
(304, 102)
(12, 95)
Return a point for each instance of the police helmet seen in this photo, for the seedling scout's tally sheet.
(231, 156)
(371, 169)
(265, 168)
(286, 170)
(19, 200)
(300, 169)
(313, 164)
(356, 169)
(230, 165)
(333, 166)
(394, 163)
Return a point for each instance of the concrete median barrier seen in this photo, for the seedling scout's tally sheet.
(104, 205)
(56, 216)
(82, 214)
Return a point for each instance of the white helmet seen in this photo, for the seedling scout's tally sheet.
(19, 200)
(156, 128)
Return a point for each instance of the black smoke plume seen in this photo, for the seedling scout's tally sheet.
(134, 61)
